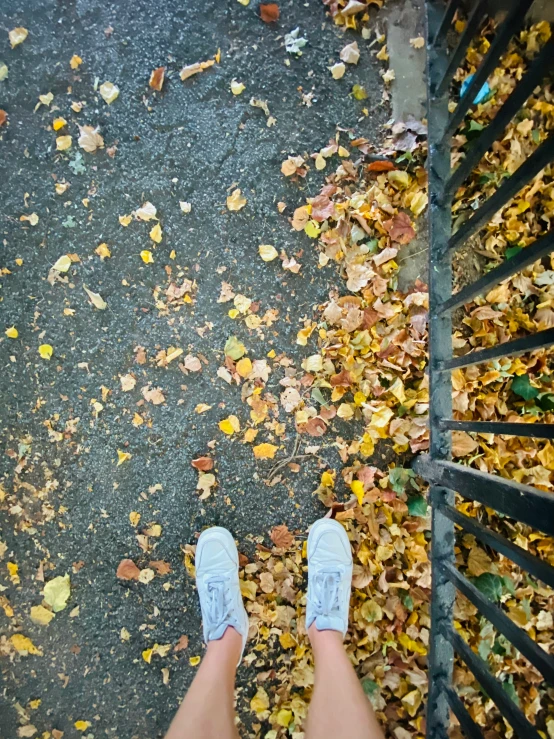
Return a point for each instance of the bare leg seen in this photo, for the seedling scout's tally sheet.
(339, 708)
(208, 711)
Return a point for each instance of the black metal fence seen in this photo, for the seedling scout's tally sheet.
(519, 502)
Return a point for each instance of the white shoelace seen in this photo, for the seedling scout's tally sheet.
(325, 597)
(219, 607)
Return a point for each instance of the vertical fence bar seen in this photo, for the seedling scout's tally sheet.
(441, 656)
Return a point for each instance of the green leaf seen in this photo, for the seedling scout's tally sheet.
(509, 585)
(546, 402)
(407, 600)
(508, 686)
(57, 592)
(492, 586)
(77, 165)
(370, 687)
(536, 136)
(234, 348)
(521, 386)
(399, 478)
(417, 505)
(359, 92)
(512, 251)
(475, 126)
(318, 396)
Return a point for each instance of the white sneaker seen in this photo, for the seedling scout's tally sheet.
(217, 580)
(329, 576)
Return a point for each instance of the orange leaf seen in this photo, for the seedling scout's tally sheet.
(127, 570)
(381, 166)
(203, 463)
(157, 78)
(269, 12)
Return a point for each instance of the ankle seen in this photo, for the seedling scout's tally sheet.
(228, 647)
(324, 640)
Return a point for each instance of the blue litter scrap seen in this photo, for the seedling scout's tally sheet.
(483, 93)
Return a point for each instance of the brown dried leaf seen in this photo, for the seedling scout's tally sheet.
(182, 643)
(203, 463)
(281, 536)
(269, 12)
(400, 228)
(127, 570)
(157, 78)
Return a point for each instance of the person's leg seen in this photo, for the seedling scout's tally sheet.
(339, 708)
(207, 712)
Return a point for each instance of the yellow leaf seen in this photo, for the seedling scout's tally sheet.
(146, 256)
(17, 36)
(45, 351)
(357, 488)
(75, 61)
(109, 92)
(202, 408)
(312, 229)
(41, 615)
(125, 220)
(62, 264)
(328, 479)
(57, 592)
(230, 425)
(13, 571)
(122, 457)
(284, 717)
(250, 435)
(138, 420)
(156, 233)
(236, 201)
(12, 332)
(287, 641)
(233, 313)
(193, 661)
(268, 252)
(260, 702)
(63, 143)
(264, 451)
(320, 162)
(147, 655)
(58, 123)
(237, 87)
(134, 518)
(24, 646)
(244, 367)
(248, 589)
(411, 645)
(103, 251)
(81, 725)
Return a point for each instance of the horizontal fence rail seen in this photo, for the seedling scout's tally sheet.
(507, 497)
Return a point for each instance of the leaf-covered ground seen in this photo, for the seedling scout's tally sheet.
(203, 326)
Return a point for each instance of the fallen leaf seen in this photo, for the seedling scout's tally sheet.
(203, 463)
(418, 42)
(195, 68)
(127, 570)
(146, 256)
(24, 646)
(236, 201)
(82, 725)
(281, 536)
(128, 382)
(109, 92)
(103, 251)
(134, 518)
(400, 228)
(75, 61)
(89, 139)
(57, 592)
(206, 481)
(264, 451)
(12, 332)
(182, 643)
(63, 143)
(41, 615)
(237, 87)
(96, 299)
(234, 348)
(3, 117)
(62, 264)
(194, 661)
(268, 252)
(337, 71)
(269, 12)
(381, 166)
(157, 78)
(230, 425)
(122, 457)
(350, 53)
(156, 233)
(146, 575)
(153, 395)
(45, 351)
(17, 36)
(146, 212)
(161, 567)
